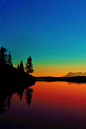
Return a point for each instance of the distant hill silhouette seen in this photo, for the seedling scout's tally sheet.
(70, 74)
(77, 79)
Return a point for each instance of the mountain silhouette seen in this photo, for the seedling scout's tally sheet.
(70, 74)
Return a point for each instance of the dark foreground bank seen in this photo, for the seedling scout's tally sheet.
(13, 79)
(78, 79)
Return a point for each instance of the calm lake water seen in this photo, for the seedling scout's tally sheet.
(45, 105)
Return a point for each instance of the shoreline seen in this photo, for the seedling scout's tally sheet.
(78, 79)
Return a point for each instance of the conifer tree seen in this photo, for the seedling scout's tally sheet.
(3, 55)
(29, 65)
(21, 67)
(9, 59)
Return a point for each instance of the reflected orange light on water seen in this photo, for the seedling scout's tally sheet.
(58, 96)
(61, 95)
(56, 104)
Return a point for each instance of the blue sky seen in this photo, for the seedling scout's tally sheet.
(52, 32)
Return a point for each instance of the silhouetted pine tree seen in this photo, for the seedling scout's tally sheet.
(21, 66)
(29, 65)
(3, 56)
(9, 59)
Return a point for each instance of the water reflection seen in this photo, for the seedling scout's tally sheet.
(5, 102)
(70, 83)
(28, 95)
(20, 94)
(5, 98)
(45, 105)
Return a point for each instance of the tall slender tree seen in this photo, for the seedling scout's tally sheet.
(29, 65)
(9, 58)
(3, 55)
(21, 67)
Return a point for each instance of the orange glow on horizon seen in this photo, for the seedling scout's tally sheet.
(57, 70)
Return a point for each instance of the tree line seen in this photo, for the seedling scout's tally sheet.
(6, 59)
(28, 67)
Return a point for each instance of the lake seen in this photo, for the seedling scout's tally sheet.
(45, 105)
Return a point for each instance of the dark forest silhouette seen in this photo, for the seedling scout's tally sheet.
(6, 59)
(6, 66)
(14, 80)
(22, 73)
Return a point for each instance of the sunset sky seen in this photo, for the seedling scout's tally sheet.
(52, 32)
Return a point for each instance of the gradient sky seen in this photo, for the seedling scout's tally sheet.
(53, 32)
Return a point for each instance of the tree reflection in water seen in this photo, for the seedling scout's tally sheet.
(20, 94)
(5, 100)
(28, 95)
